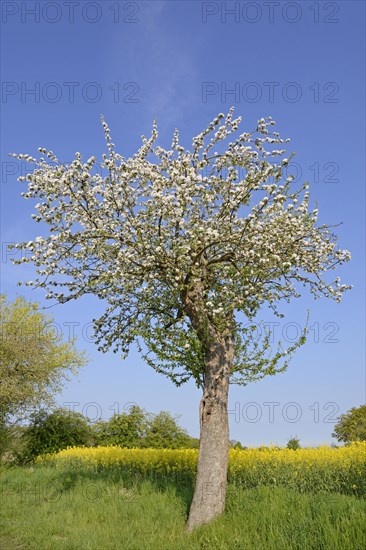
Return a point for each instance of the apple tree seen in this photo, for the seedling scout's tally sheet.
(179, 244)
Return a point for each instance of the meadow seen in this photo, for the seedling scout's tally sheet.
(114, 498)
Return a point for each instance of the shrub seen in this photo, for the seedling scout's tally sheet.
(140, 429)
(164, 433)
(126, 429)
(293, 443)
(50, 432)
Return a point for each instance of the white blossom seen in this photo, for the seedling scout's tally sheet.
(164, 233)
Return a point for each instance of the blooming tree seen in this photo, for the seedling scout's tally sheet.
(178, 242)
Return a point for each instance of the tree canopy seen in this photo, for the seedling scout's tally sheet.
(163, 431)
(126, 429)
(34, 361)
(139, 429)
(177, 242)
(351, 426)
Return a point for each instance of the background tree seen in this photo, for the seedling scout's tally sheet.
(293, 443)
(139, 429)
(34, 361)
(194, 443)
(126, 429)
(164, 432)
(12, 442)
(179, 243)
(351, 426)
(49, 432)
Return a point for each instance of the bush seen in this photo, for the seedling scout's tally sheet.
(194, 443)
(126, 429)
(50, 432)
(163, 432)
(140, 429)
(293, 443)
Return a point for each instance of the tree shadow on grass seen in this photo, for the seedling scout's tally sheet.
(67, 479)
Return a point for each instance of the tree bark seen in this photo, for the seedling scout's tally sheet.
(211, 482)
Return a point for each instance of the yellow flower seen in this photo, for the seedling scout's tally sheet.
(339, 469)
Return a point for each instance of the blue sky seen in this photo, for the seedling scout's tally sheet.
(184, 62)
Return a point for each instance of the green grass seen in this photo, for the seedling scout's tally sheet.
(59, 508)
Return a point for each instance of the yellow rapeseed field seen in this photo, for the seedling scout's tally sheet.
(328, 469)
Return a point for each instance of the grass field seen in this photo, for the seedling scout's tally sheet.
(44, 507)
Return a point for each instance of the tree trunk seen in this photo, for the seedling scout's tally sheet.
(211, 482)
